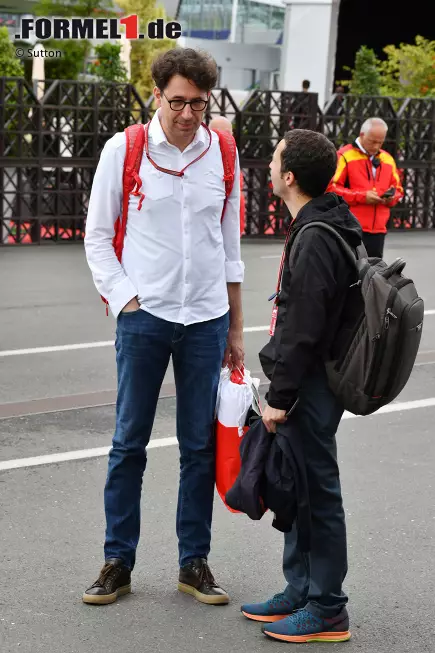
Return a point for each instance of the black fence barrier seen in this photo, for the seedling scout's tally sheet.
(50, 146)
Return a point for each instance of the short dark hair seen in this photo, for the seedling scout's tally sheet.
(195, 65)
(306, 83)
(311, 157)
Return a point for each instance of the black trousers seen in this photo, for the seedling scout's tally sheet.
(374, 244)
(314, 581)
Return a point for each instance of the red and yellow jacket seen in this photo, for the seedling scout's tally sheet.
(354, 177)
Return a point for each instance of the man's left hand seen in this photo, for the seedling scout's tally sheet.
(272, 417)
(235, 351)
(387, 201)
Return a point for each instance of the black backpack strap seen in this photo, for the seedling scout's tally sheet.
(347, 250)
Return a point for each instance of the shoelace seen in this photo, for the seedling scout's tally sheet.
(279, 599)
(106, 573)
(206, 576)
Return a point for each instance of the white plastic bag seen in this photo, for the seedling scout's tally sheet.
(237, 392)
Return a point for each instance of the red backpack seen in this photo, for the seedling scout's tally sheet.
(135, 140)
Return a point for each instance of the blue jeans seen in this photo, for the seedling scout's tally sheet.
(144, 345)
(315, 580)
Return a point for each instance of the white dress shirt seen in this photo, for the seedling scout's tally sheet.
(177, 255)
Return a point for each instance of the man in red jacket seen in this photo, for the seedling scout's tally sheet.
(367, 179)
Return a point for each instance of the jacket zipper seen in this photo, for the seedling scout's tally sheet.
(375, 208)
(379, 339)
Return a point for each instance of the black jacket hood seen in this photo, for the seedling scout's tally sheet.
(333, 210)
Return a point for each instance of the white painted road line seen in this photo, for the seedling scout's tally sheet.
(255, 329)
(107, 343)
(75, 455)
(169, 442)
(49, 350)
(86, 345)
(397, 407)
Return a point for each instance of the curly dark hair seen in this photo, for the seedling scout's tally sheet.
(197, 66)
(312, 158)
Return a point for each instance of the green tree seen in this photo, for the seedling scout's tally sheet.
(144, 51)
(70, 64)
(74, 53)
(409, 70)
(108, 65)
(83, 8)
(10, 65)
(366, 75)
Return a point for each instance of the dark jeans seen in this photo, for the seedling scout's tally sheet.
(144, 345)
(315, 580)
(374, 244)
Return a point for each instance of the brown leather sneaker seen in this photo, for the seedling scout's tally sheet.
(114, 581)
(196, 579)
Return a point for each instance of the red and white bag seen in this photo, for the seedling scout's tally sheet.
(237, 394)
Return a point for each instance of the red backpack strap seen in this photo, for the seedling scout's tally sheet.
(228, 150)
(131, 182)
(135, 140)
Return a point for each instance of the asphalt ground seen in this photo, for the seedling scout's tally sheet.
(52, 521)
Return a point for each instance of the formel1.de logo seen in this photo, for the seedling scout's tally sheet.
(95, 28)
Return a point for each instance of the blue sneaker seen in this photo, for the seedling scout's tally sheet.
(274, 609)
(302, 626)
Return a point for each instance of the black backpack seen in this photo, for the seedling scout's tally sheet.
(380, 346)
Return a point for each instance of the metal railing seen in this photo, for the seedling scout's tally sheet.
(49, 150)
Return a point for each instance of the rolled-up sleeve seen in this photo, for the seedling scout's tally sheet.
(234, 266)
(105, 206)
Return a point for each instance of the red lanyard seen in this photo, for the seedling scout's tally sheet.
(174, 172)
(278, 287)
(281, 266)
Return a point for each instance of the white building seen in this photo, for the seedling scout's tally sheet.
(272, 44)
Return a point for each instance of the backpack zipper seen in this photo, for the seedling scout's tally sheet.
(399, 343)
(387, 318)
(340, 361)
(379, 339)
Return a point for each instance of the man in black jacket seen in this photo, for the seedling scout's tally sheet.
(310, 310)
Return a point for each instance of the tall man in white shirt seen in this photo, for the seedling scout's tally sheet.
(177, 293)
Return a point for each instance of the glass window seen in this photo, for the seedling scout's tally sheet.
(277, 17)
(213, 15)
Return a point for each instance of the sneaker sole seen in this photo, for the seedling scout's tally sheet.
(203, 598)
(268, 620)
(107, 598)
(306, 639)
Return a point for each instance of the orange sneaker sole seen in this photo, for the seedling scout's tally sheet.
(266, 620)
(317, 637)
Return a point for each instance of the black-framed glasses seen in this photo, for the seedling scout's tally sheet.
(195, 105)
